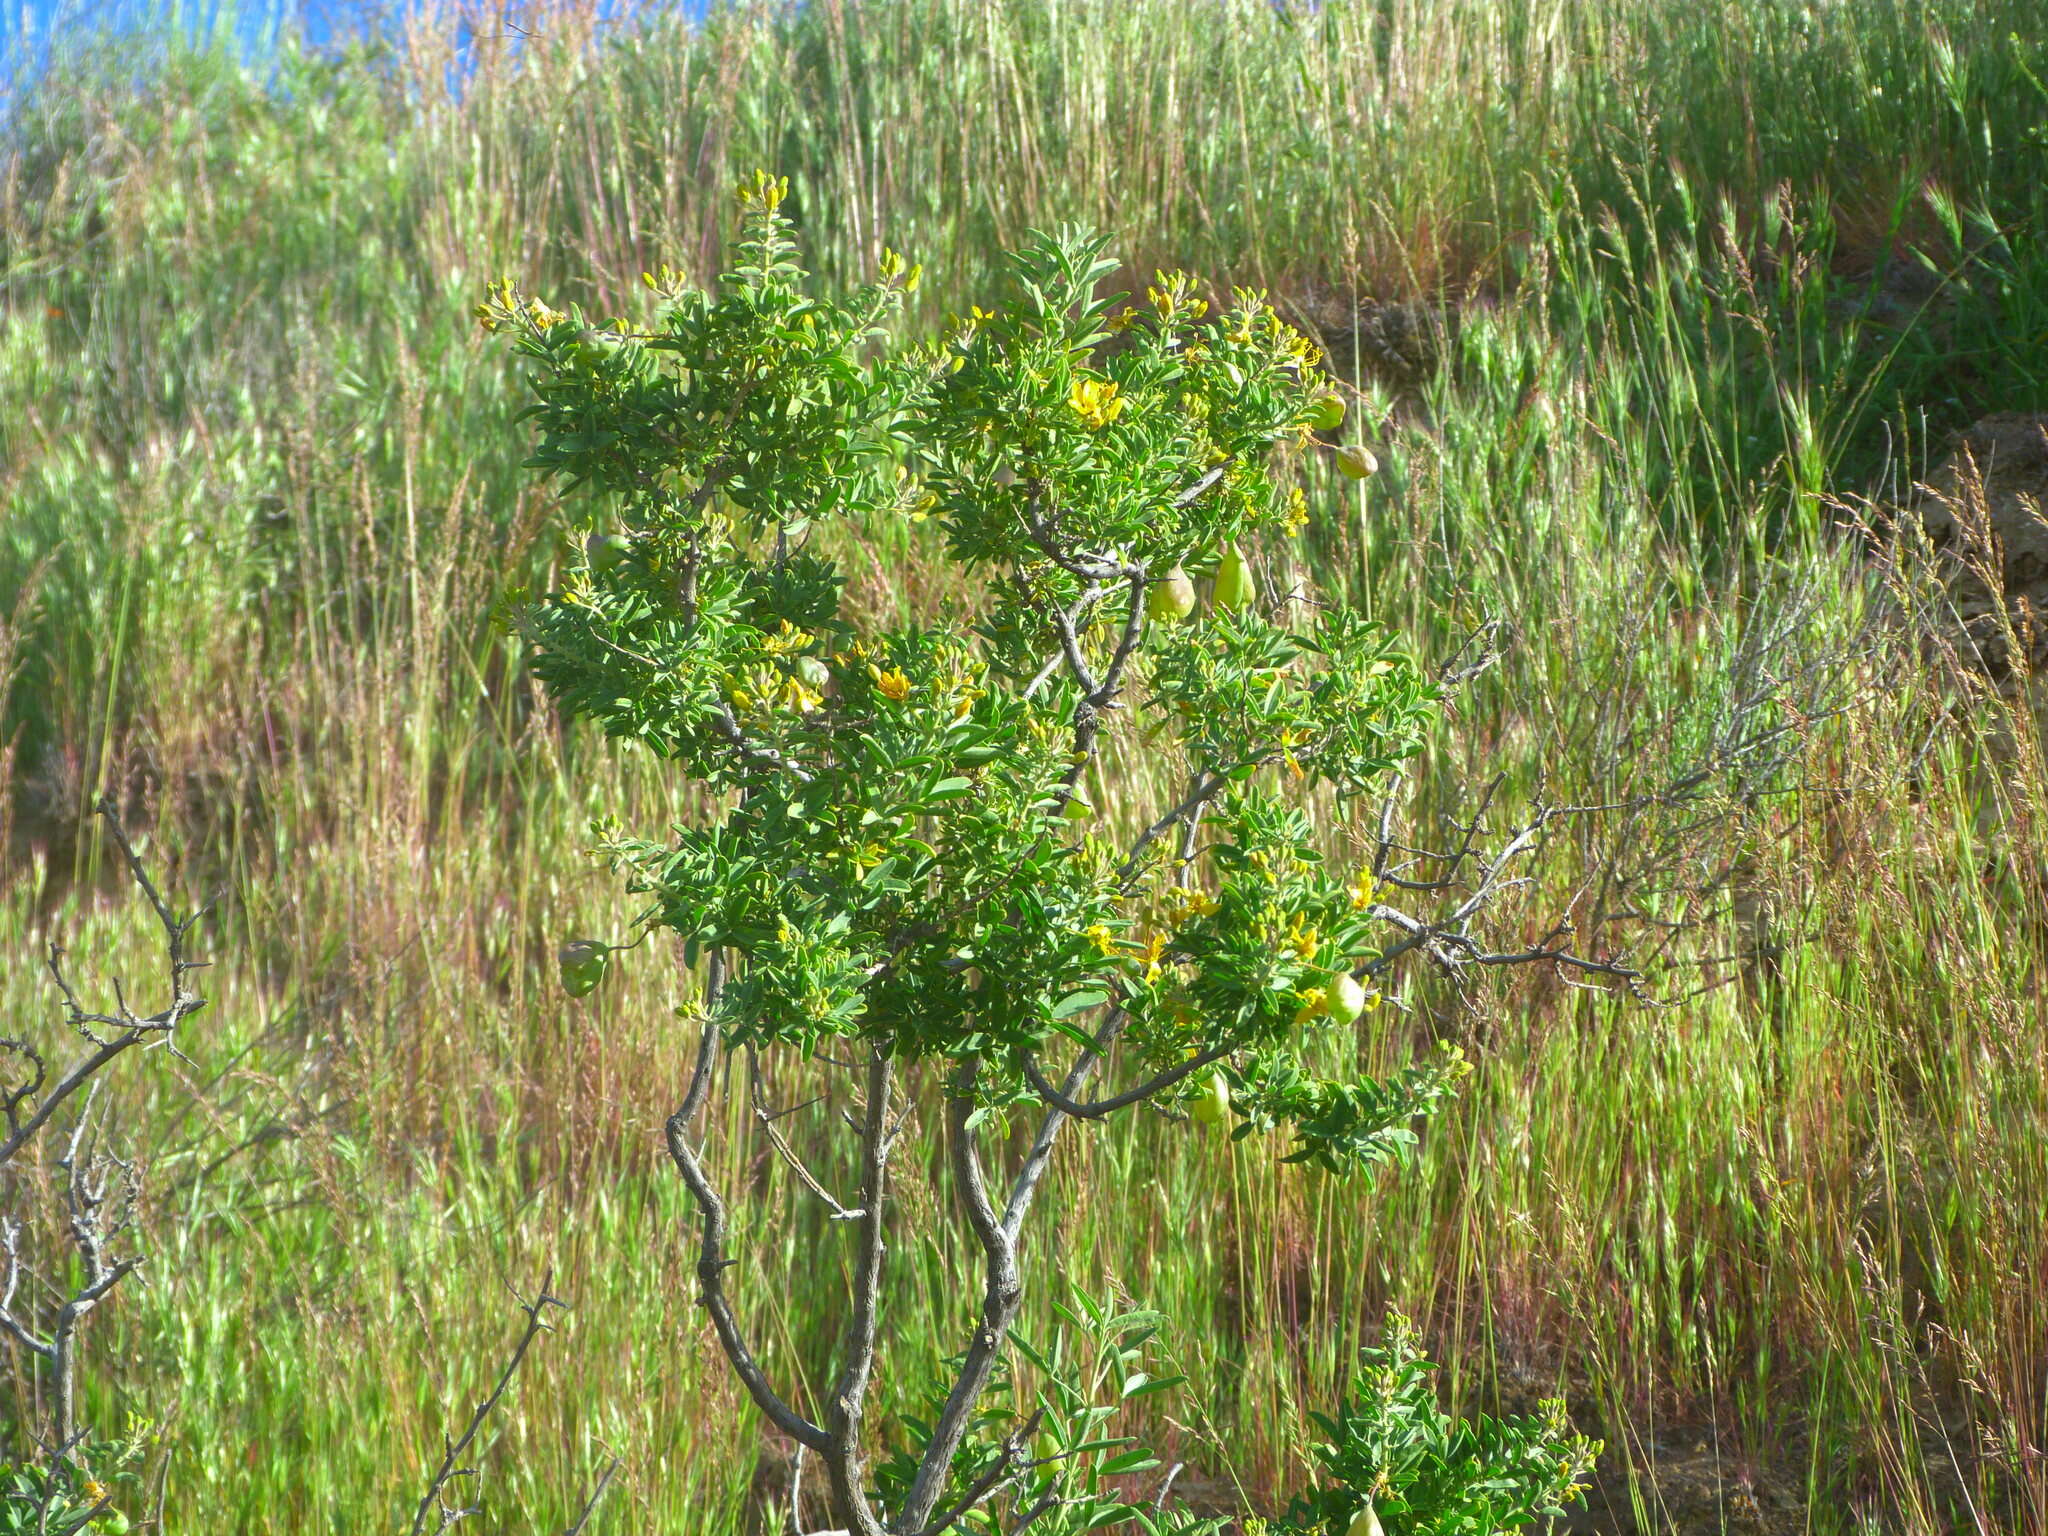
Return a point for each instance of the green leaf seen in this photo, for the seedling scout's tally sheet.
(1077, 1002)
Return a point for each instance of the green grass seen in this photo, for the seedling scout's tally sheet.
(259, 498)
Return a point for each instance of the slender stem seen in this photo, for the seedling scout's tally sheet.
(67, 1085)
(1007, 1465)
(1102, 1108)
(1002, 1288)
(590, 1504)
(712, 1261)
(845, 1465)
(783, 1149)
(451, 1468)
(1201, 790)
(127, 1029)
(1001, 1291)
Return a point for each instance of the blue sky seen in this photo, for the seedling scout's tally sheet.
(34, 22)
(28, 26)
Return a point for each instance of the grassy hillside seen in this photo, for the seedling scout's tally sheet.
(1650, 304)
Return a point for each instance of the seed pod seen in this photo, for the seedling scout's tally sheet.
(1213, 1107)
(583, 963)
(1078, 806)
(1355, 462)
(1365, 1523)
(606, 550)
(1171, 598)
(1327, 413)
(1347, 998)
(1234, 588)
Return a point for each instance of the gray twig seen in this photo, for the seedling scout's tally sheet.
(125, 1028)
(451, 1469)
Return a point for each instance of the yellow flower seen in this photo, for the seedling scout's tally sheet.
(1302, 939)
(1289, 740)
(1184, 902)
(1363, 893)
(93, 1491)
(1095, 401)
(786, 641)
(795, 694)
(1304, 353)
(1295, 518)
(892, 684)
(667, 282)
(1104, 940)
(765, 190)
(1154, 948)
(500, 306)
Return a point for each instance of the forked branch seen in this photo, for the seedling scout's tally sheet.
(25, 1105)
(451, 1470)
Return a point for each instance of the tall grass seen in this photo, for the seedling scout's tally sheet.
(1717, 272)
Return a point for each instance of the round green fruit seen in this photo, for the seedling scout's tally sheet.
(1212, 1107)
(1365, 1523)
(813, 671)
(1326, 413)
(583, 963)
(1347, 998)
(606, 550)
(1355, 463)
(1171, 598)
(1234, 588)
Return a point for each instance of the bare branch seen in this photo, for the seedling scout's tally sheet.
(127, 1028)
(1002, 1288)
(99, 1204)
(1001, 1291)
(845, 1466)
(781, 1144)
(1100, 1109)
(712, 1263)
(1073, 616)
(590, 1504)
(451, 1469)
(1205, 787)
(1010, 1462)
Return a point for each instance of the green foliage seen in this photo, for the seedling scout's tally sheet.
(1392, 1450)
(896, 867)
(1338, 700)
(1344, 1126)
(76, 1497)
(894, 857)
(260, 387)
(1059, 1454)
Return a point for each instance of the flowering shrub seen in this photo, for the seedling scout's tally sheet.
(907, 880)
